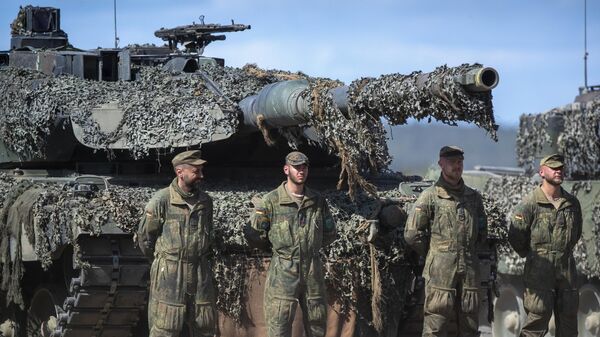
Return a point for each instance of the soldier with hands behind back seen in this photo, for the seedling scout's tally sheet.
(177, 231)
(447, 225)
(545, 227)
(296, 222)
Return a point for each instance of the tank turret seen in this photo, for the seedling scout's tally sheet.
(86, 137)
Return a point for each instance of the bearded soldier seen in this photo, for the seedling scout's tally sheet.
(177, 232)
(447, 224)
(296, 222)
(545, 227)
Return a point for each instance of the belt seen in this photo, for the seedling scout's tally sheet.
(177, 258)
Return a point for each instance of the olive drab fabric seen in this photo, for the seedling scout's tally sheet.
(296, 232)
(178, 234)
(546, 235)
(447, 225)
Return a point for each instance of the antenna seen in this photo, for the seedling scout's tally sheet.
(585, 53)
(115, 16)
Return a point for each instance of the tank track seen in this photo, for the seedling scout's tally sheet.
(109, 295)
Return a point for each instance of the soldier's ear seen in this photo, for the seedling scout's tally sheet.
(286, 169)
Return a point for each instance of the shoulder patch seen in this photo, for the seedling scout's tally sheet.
(518, 217)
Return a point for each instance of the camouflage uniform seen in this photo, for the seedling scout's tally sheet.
(179, 235)
(447, 225)
(296, 233)
(546, 236)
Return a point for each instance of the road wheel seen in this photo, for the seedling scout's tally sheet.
(588, 315)
(509, 313)
(44, 310)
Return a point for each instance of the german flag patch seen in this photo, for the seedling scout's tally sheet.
(518, 217)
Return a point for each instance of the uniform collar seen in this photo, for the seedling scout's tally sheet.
(444, 191)
(540, 197)
(284, 197)
(176, 198)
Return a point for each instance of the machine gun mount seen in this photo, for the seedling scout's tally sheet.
(196, 36)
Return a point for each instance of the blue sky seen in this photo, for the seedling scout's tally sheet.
(536, 45)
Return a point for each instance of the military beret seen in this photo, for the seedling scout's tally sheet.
(188, 157)
(554, 161)
(451, 151)
(296, 158)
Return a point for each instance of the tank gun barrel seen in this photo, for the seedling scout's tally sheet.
(479, 79)
(282, 104)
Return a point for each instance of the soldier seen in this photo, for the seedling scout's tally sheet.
(447, 224)
(545, 228)
(177, 231)
(296, 222)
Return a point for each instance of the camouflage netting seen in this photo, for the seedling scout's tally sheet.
(53, 209)
(161, 108)
(156, 107)
(358, 136)
(532, 138)
(579, 139)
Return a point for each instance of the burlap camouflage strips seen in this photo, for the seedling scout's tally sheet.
(578, 141)
(160, 105)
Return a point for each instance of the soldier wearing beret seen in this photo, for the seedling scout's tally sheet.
(296, 222)
(545, 227)
(447, 224)
(176, 231)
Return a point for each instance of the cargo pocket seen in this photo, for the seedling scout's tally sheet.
(206, 317)
(568, 301)
(170, 317)
(538, 301)
(440, 300)
(278, 313)
(317, 311)
(470, 300)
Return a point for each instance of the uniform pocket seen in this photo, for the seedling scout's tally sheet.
(317, 311)
(170, 317)
(172, 235)
(165, 283)
(443, 224)
(440, 300)
(280, 235)
(540, 230)
(470, 300)
(206, 317)
(279, 312)
(538, 301)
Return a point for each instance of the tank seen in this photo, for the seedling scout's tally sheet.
(572, 130)
(86, 137)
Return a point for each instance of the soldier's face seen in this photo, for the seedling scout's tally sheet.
(296, 173)
(452, 167)
(552, 176)
(190, 175)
